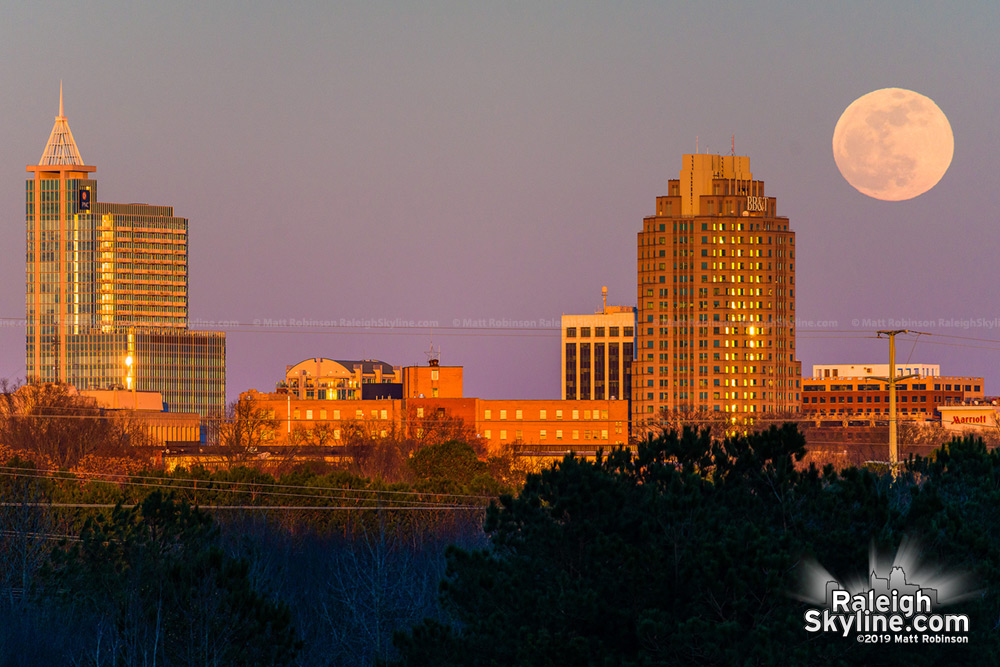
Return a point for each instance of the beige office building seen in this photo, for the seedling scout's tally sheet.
(716, 298)
(596, 354)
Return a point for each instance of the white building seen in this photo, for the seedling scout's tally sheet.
(874, 370)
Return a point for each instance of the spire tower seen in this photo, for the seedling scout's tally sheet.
(61, 147)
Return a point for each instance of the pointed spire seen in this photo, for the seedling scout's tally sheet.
(61, 147)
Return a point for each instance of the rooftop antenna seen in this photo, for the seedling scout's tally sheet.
(734, 145)
(433, 356)
(60, 100)
(695, 136)
(604, 296)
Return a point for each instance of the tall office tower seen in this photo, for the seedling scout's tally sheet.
(106, 288)
(597, 353)
(716, 298)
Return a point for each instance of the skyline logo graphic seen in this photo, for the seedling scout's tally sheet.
(897, 603)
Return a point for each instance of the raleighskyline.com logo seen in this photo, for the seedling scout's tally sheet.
(889, 609)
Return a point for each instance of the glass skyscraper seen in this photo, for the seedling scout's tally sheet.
(107, 289)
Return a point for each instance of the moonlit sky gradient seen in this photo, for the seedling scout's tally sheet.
(436, 161)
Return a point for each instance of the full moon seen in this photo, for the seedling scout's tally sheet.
(893, 144)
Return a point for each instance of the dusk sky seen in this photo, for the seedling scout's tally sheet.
(456, 162)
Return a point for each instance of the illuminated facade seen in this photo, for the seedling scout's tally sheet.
(534, 425)
(316, 403)
(597, 352)
(107, 289)
(853, 391)
(331, 380)
(369, 379)
(716, 298)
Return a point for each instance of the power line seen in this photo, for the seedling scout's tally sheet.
(398, 502)
(9, 469)
(250, 507)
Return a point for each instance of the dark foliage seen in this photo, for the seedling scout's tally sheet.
(685, 552)
(157, 583)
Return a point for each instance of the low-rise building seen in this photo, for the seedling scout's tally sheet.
(330, 379)
(432, 398)
(148, 408)
(833, 393)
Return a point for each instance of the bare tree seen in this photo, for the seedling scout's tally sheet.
(246, 428)
(25, 527)
(51, 421)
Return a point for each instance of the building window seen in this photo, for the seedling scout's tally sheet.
(487, 433)
(503, 414)
(488, 415)
(434, 374)
(503, 435)
(558, 414)
(559, 434)
(517, 415)
(420, 413)
(576, 434)
(385, 414)
(541, 434)
(309, 414)
(542, 414)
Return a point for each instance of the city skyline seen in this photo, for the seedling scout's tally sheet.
(462, 164)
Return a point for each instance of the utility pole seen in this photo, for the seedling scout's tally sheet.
(892, 380)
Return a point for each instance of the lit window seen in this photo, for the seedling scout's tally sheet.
(488, 415)
(517, 415)
(420, 412)
(542, 414)
(503, 414)
(503, 434)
